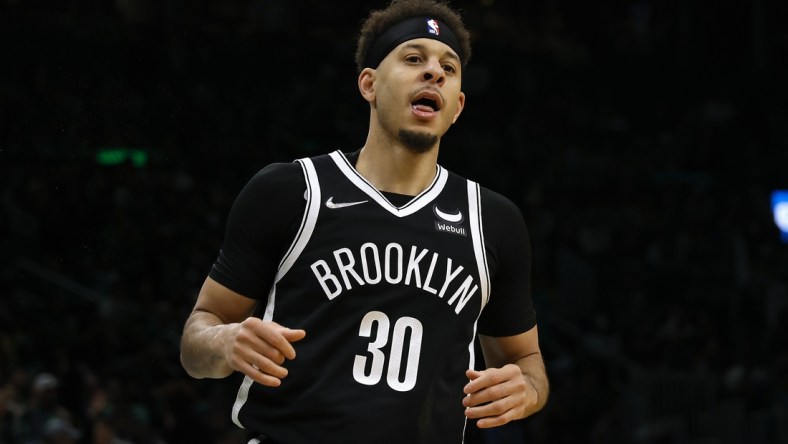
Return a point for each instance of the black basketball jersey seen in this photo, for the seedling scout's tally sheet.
(389, 297)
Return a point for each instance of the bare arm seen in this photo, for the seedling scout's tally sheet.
(514, 385)
(220, 337)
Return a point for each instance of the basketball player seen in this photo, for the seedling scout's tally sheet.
(350, 286)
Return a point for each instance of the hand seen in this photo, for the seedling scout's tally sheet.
(258, 349)
(498, 395)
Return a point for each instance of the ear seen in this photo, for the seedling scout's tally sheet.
(460, 106)
(366, 84)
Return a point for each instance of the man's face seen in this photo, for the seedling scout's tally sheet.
(417, 93)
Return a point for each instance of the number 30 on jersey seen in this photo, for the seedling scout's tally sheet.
(395, 358)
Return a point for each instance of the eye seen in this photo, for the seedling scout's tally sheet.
(449, 68)
(413, 59)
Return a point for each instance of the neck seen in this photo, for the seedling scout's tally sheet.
(390, 166)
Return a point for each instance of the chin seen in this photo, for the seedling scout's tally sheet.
(418, 141)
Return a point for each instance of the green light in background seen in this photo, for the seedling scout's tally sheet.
(139, 158)
(109, 156)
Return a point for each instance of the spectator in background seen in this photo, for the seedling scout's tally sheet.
(45, 419)
(59, 431)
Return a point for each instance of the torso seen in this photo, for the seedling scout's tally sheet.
(389, 297)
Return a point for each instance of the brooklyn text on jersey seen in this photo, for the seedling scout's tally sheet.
(367, 260)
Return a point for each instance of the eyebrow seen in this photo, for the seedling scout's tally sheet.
(422, 48)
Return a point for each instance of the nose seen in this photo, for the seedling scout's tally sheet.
(433, 72)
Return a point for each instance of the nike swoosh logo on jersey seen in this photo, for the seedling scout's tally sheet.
(448, 217)
(331, 204)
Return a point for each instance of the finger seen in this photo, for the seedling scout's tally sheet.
(258, 376)
(249, 342)
(289, 336)
(491, 377)
(472, 374)
(493, 414)
(495, 421)
(277, 336)
(261, 363)
(494, 408)
(494, 385)
(488, 394)
(479, 380)
(293, 336)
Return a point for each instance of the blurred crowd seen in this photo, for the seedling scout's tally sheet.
(641, 154)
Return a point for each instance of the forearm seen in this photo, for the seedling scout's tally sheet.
(533, 370)
(204, 344)
(520, 352)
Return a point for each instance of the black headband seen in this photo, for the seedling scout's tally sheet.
(409, 29)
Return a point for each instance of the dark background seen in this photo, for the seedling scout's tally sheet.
(640, 138)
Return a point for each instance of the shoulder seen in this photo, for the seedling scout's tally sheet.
(498, 208)
(278, 185)
(497, 200)
(505, 231)
(278, 175)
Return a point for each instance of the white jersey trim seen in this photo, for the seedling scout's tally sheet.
(414, 205)
(477, 234)
(313, 199)
(480, 252)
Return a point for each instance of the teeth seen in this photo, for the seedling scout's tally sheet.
(427, 102)
(422, 108)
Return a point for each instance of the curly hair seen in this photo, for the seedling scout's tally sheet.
(379, 21)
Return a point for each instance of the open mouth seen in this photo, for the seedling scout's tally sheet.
(427, 102)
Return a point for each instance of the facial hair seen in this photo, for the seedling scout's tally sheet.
(416, 141)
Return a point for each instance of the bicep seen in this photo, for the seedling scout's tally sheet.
(499, 351)
(227, 305)
(256, 236)
(510, 310)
